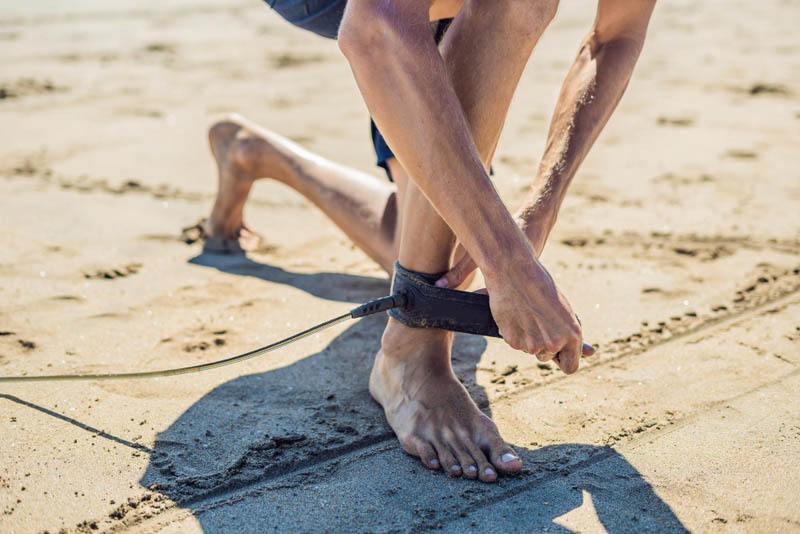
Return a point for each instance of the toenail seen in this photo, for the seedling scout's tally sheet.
(489, 471)
(509, 457)
(434, 462)
(455, 468)
(472, 469)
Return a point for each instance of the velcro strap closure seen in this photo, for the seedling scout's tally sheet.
(428, 306)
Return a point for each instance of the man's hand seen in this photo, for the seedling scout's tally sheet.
(533, 315)
(536, 228)
(462, 274)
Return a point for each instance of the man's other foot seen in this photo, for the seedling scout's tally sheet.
(430, 411)
(245, 241)
(242, 156)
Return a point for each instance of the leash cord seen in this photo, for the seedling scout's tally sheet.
(368, 308)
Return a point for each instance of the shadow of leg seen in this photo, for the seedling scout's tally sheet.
(305, 448)
(259, 426)
(331, 286)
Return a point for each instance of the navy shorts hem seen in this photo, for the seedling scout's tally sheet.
(382, 150)
(318, 16)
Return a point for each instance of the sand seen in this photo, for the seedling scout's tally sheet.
(679, 246)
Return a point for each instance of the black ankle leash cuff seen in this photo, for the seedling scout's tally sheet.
(428, 306)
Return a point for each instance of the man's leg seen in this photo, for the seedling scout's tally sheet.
(428, 408)
(485, 71)
(364, 207)
(367, 210)
(430, 411)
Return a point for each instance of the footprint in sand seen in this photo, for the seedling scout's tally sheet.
(67, 298)
(741, 154)
(27, 345)
(768, 89)
(675, 121)
(24, 343)
(159, 48)
(163, 238)
(288, 60)
(704, 253)
(27, 87)
(110, 274)
(690, 246)
(194, 346)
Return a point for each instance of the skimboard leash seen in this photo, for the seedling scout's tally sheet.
(368, 308)
(415, 301)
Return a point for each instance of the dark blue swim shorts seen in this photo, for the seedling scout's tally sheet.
(323, 18)
(319, 16)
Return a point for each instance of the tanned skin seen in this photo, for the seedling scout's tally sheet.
(443, 205)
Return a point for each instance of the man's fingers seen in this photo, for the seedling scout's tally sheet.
(569, 358)
(458, 274)
(544, 356)
(534, 345)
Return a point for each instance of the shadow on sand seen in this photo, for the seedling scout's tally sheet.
(330, 286)
(304, 448)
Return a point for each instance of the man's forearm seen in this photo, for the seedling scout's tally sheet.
(404, 82)
(590, 93)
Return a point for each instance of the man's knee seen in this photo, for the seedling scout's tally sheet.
(545, 9)
(373, 27)
(529, 16)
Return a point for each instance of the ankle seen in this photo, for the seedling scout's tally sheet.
(400, 342)
(217, 226)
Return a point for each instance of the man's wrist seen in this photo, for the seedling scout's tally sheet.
(536, 225)
(504, 252)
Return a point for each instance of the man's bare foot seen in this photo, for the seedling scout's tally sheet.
(242, 156)
(430, 411)
(245, 241)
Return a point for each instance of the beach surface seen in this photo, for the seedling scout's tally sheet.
(678, 245)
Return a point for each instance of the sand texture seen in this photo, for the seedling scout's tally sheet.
(679, 246)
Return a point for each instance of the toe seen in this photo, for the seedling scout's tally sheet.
(469, 467)
(506, 460)
(449, 464)
(503, 457)
(428, 455)
(486, 472)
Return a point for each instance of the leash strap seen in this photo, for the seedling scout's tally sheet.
(368, 308)
(414, 301)
(428, 306)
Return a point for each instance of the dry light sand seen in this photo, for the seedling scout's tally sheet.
(679, 245)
